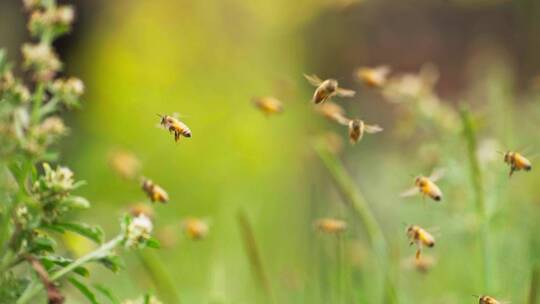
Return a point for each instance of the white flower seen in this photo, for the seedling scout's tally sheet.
(138, 230)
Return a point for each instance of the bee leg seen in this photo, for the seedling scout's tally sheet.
(418, 252)
(512, 169)
(176, 136)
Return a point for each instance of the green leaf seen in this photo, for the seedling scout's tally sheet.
(43, 243)
(112, 262)
(107, 293)
(50, 260)
(77, 202)
(84, 290)
(153, 243)
(93, 233)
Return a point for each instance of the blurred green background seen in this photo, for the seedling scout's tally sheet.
(207, 59)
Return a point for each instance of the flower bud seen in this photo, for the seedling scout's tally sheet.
(42, 59)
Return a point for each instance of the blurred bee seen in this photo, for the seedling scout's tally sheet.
(419, 237)
(333, 112)
(516, 162)
(125, 163)
(357, 128)
(488, 300)
(195, 229)
(422, 264)
(268, 105)
(426, 186)
(140, 208)
(330, 225)
(373, 77)
(154, 192)
(327, 89)
(174, 125)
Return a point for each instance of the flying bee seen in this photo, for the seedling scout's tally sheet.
(423, 264)
(426, 186)
(517, 162)
(419, 237)
(373, 77)
(488, 300)
(357, 128)
(268, 105)
(141, 208)
(333, 112)
(194, 228)
(327, 89)
(174, 125)
(330, 225)
(154, 192)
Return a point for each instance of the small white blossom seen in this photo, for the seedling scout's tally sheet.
(138, 230)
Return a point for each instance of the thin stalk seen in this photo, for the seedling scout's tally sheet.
(341, 269)
(254, 256)
(360, 207)
(478, 186)
(159, 276)
(533, 288)
(34, 288)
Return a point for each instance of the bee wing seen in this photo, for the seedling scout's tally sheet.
(410, 192)
(313, 79)
(437, 174)
(345, 93)
(372, 128)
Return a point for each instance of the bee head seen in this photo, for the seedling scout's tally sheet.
(507, 157)
(331, 85)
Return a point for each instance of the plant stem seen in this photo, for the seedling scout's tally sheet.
(34, 288)
(250, 244)
(159, 275)
(359, 206)
(38, 102)
(477, 183)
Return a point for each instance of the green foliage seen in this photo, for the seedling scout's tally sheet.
(38, 199)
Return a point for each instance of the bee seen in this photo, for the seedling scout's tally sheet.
(141, 208)
(357, 128)
(488, 300)
(268, 105)
(174, 125)
(373, 77)
(516, 162)
(426, 186)
(194, 228)
(125, 163)
(419, 237)
(423, 264)
(327, 89)
(333, 112)
(330, 225)
(154, 192)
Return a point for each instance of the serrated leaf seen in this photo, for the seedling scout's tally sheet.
(93, 233)
(107, 293)
(84, 290)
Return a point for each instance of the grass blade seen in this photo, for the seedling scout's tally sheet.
(253, 254)
(359, 206)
